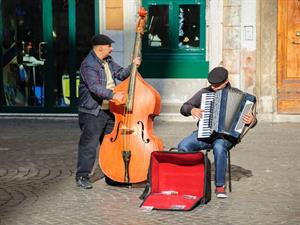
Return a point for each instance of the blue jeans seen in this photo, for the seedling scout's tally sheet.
(93, 128)
(220, 147)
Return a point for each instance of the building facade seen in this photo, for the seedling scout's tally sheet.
(44, 41)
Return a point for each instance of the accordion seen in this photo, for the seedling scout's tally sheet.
(223, 114)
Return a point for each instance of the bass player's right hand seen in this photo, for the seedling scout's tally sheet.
(119, 97)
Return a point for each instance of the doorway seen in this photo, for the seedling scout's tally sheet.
(43, 44)
(288, 49)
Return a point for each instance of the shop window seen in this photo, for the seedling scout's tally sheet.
(174, 41)
(189, 24)
(158, 35)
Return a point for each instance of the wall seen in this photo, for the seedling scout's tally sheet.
(112, 25)
(239, 48)
(266, 57)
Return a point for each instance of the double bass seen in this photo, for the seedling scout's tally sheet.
(124, 154)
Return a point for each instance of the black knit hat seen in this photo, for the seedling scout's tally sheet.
(217, 75)
(101, 39)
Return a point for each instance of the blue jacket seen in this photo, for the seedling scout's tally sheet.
(92, 87)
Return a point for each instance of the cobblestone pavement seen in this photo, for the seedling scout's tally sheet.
(37, 162)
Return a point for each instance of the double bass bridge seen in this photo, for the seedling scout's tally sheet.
(127, 131)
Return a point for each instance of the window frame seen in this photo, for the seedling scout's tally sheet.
(180, 62)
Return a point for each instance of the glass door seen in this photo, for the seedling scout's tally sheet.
(43, 44)
(23, 59)
(73, 27)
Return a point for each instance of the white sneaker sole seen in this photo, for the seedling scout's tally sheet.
(221, 195)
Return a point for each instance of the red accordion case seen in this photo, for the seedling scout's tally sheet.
(177, 181)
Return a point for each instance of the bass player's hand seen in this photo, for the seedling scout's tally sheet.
(119, 97)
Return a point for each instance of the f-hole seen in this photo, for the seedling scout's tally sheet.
(142, 132)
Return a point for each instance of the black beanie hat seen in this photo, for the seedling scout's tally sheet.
(217, 75)
(101, 39)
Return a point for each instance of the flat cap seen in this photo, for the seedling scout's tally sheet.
(217, 75)
(101, 39)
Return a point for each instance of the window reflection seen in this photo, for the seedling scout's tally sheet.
(23, 72)
(85, 30)
(189, 25)
(159, 26)
(60, 49)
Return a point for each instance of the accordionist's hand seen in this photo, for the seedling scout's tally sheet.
(197, 113)
(248, 118)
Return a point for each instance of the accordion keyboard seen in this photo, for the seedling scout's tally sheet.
(204, 125)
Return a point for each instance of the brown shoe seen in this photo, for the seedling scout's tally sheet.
(97, 174)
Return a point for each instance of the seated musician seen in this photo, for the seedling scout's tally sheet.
(218, 79)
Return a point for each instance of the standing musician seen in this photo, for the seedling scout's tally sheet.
(98, 78)
(218, 79)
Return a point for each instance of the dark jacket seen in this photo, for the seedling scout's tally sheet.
(92, 87)
(194, 102)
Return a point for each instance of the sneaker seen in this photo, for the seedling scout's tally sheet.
(84, 183)
(220, 192)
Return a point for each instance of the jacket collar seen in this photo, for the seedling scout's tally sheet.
(107, 59)
(228, 85)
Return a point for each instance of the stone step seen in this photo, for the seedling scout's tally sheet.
(171, 107)
(171, 112)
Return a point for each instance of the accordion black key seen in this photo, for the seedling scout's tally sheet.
(223, 113)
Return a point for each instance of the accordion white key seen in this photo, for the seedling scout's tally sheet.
(223, 113)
